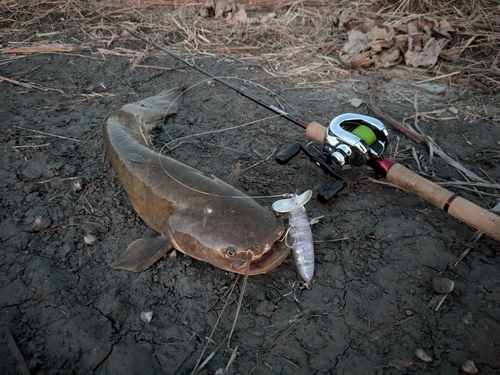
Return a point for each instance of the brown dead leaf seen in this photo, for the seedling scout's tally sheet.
(378, 45)
(357, 42)
(380, 32)
(424, 56)
(445, 27)
(356, 61)
(240, 15)
(346, 18)
(416, 41)
(225, 9)
(354, 53)
(428, 25)
(389, 58)
(412, 28)
(419, 43)
(453, 53)
(400, 41)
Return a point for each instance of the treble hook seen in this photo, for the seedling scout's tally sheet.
(295, 286)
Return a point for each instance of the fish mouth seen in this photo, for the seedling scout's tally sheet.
(271, 259)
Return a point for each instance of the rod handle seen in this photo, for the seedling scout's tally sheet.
(460, 208)
(316, 132)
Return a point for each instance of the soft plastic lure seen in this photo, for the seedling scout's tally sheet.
(302, 245)
(299, 234)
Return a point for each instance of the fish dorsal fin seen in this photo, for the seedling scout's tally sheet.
(142, 253)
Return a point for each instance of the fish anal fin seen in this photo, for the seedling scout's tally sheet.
(142, 253)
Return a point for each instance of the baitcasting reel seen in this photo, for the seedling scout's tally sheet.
(350, 138)
(355, 139)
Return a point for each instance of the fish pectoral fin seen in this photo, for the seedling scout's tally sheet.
(142, 253)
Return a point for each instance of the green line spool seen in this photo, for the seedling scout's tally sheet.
(366, 134)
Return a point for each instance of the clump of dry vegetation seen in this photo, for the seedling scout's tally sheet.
(286, 38)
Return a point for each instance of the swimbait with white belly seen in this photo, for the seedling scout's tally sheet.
(223, 227)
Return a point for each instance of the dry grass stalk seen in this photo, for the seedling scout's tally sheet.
(30, 85)
(294, 38)
(44, 48)
(49, 134)
(416, 137)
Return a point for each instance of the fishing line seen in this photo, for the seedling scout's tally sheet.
(219, 130)
(205, 192)
(212, 132)
(190, 62)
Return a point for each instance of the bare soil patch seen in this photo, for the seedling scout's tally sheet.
(377, 248)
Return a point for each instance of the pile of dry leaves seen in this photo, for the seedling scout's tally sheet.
(419, 43)
(225, 9)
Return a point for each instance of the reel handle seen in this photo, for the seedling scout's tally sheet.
(331, 191)
(287, 154)
(460, 208)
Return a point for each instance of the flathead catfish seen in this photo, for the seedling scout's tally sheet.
(195, 212)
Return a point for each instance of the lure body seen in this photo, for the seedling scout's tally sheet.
(302, 243)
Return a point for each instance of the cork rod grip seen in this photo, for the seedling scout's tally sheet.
(316, 132)
(468, 212)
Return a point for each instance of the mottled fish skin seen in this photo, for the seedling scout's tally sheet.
(218, 229)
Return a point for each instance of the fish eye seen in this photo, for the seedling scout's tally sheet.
(230, 251)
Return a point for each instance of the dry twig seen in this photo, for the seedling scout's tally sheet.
(373, 106)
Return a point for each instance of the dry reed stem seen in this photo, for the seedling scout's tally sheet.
(45, 48)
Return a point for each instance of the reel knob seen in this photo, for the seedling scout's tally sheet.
(341, 154)
(330, 192)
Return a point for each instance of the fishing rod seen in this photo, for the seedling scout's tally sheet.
(189, 61)
(358, 140)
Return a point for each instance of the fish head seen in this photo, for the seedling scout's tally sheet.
(228, 235)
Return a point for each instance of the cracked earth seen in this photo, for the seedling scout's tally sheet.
(377, 248)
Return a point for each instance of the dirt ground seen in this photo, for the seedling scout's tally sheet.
(377, 248)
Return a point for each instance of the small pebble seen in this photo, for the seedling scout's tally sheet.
(442, 285)
(146, 316)
(77, 185)
(467, 319)
(356, 102)
(469, 367)
(40, 223)
(453, 110)
(422, 355)
(408, 313)
(90, 239)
